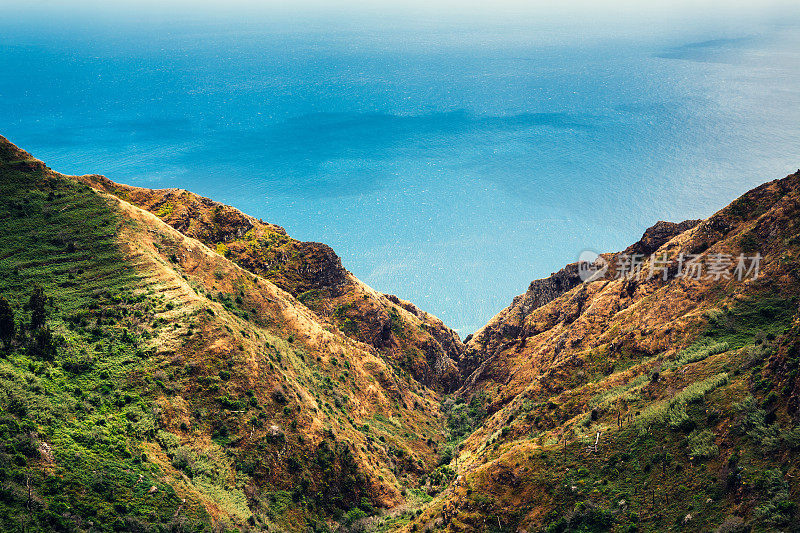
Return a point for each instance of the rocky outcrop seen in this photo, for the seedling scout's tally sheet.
(506, 326)
(542, 331)
(658, 234)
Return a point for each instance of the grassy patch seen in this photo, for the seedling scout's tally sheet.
(740, 325)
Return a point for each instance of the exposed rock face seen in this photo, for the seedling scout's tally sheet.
(542, 291)
(442, 350)
(658, 234)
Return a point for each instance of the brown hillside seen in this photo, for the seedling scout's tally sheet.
(415, 341)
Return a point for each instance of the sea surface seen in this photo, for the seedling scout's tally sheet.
(447, 159)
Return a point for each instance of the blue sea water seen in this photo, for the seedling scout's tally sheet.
(448, 160)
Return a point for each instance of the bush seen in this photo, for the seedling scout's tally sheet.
(43, 344)
(673, 412)
(168, 441)
(442, 475)
(80, 365)
(677, 417)
(778, 508)
(349, 327)
(7, 322)
(753, 423)
(791, 437)
(353, 514)
(701, 445)
(584, 517)
(698, 352)
(36, 305)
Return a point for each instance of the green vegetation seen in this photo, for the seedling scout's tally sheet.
(739, 325)
(701, 444)
(697, 352)
(463, 417)
(8, 326)
(673, 412)
(72, 421)
(396, 323)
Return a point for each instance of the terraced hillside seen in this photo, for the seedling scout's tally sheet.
(149, 383)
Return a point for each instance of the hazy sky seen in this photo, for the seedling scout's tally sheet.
(583, 18)
(538, 8)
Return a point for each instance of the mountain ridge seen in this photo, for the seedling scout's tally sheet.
(312, 272)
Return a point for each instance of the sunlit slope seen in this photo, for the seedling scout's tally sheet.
(409, 338)
(169, 387)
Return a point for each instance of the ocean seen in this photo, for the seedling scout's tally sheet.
(447, 159)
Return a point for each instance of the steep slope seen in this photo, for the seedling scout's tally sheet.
(508, 323)
(412, 340)
(644, 404)
(149, 383)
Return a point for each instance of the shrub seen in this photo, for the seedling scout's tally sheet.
(43, 344)
(7, 322)
(168, 441)
(353, 514)
(36, 305)
(753, 423)
(778, 508)
(80, 365)
(701, 445)
(677, 417)
(673, 412)
(349, 326)
(293, 464)
(229, 403)
(791, 437)
(584, 517)
(396, 323)
(697, 353)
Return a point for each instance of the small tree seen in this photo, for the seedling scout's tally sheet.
(43, 344)
(7, 323)
(36, 305)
